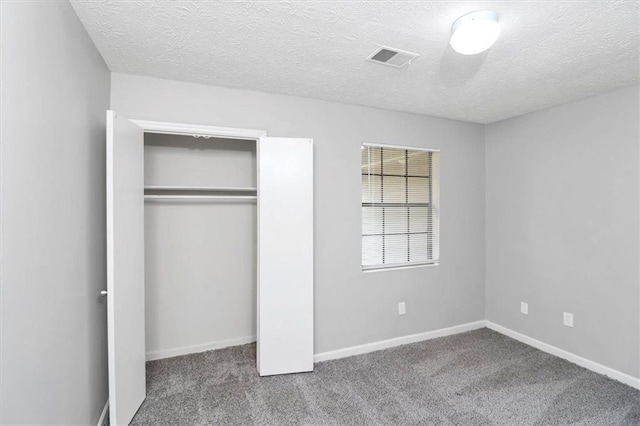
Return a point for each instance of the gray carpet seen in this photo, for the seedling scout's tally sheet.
(475, 378)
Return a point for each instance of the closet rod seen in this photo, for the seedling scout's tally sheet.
(200, 188)
(202, 197)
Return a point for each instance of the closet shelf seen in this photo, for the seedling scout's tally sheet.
(171, 197)
(199, 193)
(199, 188)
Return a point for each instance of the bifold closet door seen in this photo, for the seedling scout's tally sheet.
(285, 256)
(125, 268)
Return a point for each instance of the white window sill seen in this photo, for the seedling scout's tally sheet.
(395, 268)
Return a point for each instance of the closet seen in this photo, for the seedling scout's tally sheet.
(200, 243)
(212, 229)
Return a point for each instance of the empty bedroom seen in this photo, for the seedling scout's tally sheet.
(319, 212)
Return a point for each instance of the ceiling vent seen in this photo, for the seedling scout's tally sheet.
(392, 57)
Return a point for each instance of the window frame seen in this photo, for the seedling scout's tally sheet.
(435, 210)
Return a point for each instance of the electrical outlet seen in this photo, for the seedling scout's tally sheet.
(402, 308)
(567, 319)
(524, 308)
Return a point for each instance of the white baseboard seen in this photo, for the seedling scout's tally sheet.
(413, 338)
(390, 343)
(105, 410)
(627, 379)
(169, 353)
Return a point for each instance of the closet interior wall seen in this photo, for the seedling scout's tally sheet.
(200, 253)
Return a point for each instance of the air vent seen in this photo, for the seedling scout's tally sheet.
(392, 57)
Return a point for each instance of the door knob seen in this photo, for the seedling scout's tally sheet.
(103, 293)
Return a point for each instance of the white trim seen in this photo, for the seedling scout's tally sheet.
(199, 130)
(398, 341)
(397, 266)
(103, 415)
(220, 344)
(412, 148)
(627, 379)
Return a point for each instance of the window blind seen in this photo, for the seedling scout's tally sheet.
(400, 191)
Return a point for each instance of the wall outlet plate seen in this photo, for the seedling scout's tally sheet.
(402, 308)
(567, 319)
(524, 308)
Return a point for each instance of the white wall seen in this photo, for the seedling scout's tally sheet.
(55, 90)
(562, 226)
(200, 257)
(352, 307)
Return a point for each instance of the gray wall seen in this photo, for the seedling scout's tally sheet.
(352, 307)
(200, 257)
(562, 226)
(55, 90)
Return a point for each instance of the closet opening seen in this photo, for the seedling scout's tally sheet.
(200, 243)
(209, 245)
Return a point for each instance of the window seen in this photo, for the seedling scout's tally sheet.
(400, 191)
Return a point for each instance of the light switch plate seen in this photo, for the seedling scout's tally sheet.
(524, 308)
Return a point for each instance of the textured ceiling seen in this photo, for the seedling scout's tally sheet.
(550, 52)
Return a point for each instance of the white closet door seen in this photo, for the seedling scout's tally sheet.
(285, 255)
(125, 268)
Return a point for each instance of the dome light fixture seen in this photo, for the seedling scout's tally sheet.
(475, 32)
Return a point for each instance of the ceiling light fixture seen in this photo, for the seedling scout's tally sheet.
(475, 32)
